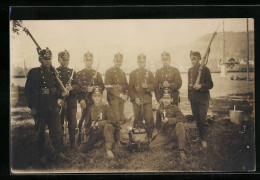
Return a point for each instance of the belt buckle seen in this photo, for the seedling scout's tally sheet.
(45, 91)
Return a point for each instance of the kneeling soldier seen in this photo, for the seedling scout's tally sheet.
(100, 124)
(169, 124)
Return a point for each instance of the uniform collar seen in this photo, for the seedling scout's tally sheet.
(63, 68)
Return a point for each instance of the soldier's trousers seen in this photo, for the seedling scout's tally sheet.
(145, 113)
(117, 107)
(50, 118)
(72, 122)
(163, 139)
(106, 133)
(199, 112)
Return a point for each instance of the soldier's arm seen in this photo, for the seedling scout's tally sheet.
(80, 91)
(110, 118)
(151, 85)
(158, 120)
(177, 81)
(189, 84)
(100, 81)
(179, 117)
(75, 82)
(108, 81)
(30, 90)
(156, 86)
(131, 88)
(208, 84)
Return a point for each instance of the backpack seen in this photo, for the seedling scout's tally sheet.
(138, 140)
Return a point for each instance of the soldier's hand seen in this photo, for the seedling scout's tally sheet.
(93, 124)
(33, 111)
(197, 86)
(166, 84)
(124, 97)
(69, 88)
(83, 104)
(144, 85)
(90, 89)
(60, 102)
(65, 94)
(138, 101)
(165, 120)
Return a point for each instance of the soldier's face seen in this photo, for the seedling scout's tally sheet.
(97, 98)
(46, 62)
(118, 62)
(165, 60)
(194, 60)
(167, 99)
(88, 61)
(64, 62)
(141, 63)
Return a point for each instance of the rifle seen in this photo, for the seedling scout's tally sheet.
(64, 109)
(205, 57)
(85, 110)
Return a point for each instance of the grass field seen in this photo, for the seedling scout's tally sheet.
(230, 146)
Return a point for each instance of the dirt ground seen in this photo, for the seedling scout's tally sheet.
(230, 146)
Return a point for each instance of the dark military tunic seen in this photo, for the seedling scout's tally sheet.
(117, 78)
(172, 75)
(42, 92)
(200, 98)
(171, 130)
(106, 122)
(67, 78)
(87, 78)
(137, 77)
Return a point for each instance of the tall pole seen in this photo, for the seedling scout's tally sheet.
(247, 50)
(223, 65)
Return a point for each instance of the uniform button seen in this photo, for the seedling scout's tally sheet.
(43, 77)
(44, 82)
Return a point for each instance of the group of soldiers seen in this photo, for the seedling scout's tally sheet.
(50, 104)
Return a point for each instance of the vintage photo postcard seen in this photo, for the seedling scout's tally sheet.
(132, 95)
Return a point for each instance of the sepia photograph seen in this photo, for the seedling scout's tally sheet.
(132, 95)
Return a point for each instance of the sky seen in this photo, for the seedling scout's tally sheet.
(104, 38)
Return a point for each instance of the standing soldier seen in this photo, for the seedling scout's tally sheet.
(198, 94)
(141, 85)
(167, 77)
(116, 83)
(42, 93)
(99, 125)
(88, 78)
(69, 80)
(169, 125)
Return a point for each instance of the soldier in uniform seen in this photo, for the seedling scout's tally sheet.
(167, 77)
(198, 95)
(116, 83)
(88, 79)
(43, 94)
(141, 85)
(99, 125)
(69, 80)
(169, 125)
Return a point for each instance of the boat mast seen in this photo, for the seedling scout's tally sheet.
(223, 63)
(247, 50)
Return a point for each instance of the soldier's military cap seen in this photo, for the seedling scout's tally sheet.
(45, 54)
(167, 92)
(118, 55)
(96, 90)
(88, 54)
(164, 53)
(64, 54)
(195, 53)
(141, 58)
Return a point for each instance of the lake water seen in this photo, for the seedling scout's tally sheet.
(223, 86)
